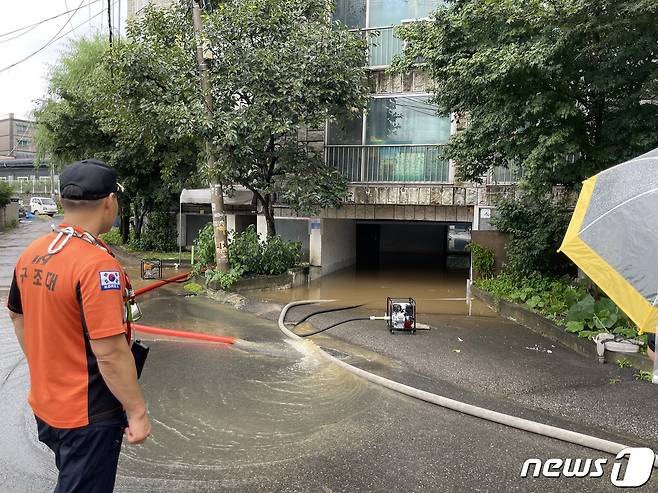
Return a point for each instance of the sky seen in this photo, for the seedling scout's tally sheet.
(22, 85)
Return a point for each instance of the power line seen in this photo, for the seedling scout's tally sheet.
(32, 26)
(52, 40)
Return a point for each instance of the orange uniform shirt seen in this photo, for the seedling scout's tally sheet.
(67, 299)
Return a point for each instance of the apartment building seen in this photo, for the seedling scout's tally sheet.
(404, 202)
(16, 138)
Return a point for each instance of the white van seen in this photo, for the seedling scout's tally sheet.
(43, 205)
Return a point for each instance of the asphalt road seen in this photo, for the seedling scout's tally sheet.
(270, 418)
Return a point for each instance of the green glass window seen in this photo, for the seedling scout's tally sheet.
(405, 120)
(392, 12)
(352, 13)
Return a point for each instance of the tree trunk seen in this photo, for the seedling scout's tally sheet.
(219, 226)
(268, 210)
(139, 220)
(124, 225)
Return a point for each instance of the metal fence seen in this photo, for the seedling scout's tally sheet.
(405, 163)
(33, 186)
(503, 175)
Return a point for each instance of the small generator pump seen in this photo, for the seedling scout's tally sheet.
(401, 314)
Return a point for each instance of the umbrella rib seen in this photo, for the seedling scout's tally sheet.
(607, 213)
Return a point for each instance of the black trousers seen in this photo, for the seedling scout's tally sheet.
(86, 457)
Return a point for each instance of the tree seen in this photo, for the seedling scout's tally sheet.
(88, 113)
(559, 88)
(277, 67)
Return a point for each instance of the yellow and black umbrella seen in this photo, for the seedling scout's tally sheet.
(613, 236)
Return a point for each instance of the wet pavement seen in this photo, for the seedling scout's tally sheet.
(270, 416)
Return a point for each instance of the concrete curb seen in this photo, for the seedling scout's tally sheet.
(551, 331)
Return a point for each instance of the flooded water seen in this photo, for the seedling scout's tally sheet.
(436, 291)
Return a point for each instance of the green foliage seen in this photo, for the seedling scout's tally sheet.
(279, 67)
(193, 288)
(112, 237)
(256, 257)
(6, 192)
(550, 296)
(204, 247)
(558, 88)
(536, 227)
(224, 280)
(159, 233)
(646, 376)
(483, 258)
(589, 317)
(562, 300)
(279, 255)
(245, 249)
(624, 363)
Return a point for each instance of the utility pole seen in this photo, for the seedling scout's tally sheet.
(216, 189)
(109, 19)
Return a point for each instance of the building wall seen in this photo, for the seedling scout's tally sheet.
(338, 248)
(295, 230)
(17, 138)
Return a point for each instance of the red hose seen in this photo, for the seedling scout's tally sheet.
(184, 334)
(157, 284)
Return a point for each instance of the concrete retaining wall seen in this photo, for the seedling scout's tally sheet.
(544, 327)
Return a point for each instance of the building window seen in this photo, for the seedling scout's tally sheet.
(21, 128)
(401, 143)
(23, 143)
(378, 18)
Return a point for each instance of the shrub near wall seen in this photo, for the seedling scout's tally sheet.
(248, 255)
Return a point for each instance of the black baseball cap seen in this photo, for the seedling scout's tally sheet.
(90, 179)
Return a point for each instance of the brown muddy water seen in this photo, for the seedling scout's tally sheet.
(436, 291)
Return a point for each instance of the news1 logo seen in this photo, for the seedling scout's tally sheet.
(638, 468)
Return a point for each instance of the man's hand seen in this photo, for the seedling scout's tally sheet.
(139, 428)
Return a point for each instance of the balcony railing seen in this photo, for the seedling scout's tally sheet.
(501, 175)
(401, 163)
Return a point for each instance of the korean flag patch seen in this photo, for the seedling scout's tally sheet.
(110, 280)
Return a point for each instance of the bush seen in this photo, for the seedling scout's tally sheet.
(273, 256)
(224, 280)
(6, 192)
(112, 237)
(159, 233)
(483, 258)
(536, 228)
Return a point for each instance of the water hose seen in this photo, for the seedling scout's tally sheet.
(184, 334)
(328, 310)
(332, 326)
(158, 284)
(462, 407)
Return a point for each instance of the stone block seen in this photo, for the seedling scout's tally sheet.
(341, 212)
(412, 195)
(396, 83)
(447, 196)
(399, 212)
(465, 214)
(482, 196)
(360, 211)
(403, 195)
(392, 195)
(430, 213)
(407, 82)
(419, 212)
(359, 194)
(409, 212)
(459, 195)
(370, 212)
(350, 211)
(420, 81)
(315, 136)
(423, 196)
(385, 212)
(471, 196)
(451, 213)
(441, 213)
(316, 147)
(435, 195)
